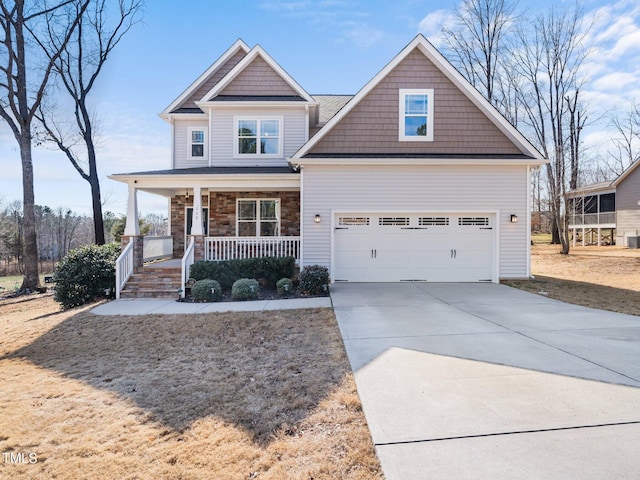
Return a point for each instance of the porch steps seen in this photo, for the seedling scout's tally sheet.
(153, 282)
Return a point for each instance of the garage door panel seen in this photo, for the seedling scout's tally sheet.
(426, 247)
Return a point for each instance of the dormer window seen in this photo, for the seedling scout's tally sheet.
(258, 137)
(197, 143)
(416, 115)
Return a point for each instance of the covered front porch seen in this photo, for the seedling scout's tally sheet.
(213, 214)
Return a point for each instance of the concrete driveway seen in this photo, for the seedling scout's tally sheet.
(468, 381)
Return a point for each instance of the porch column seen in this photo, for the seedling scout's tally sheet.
(132, 227)
(196, 224)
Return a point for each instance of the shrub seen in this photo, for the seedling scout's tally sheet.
(284, 286)
(312, 280)
(201, 291)
(85, 273)
(245, 289)
(228, 271)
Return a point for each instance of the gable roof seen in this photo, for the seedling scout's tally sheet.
(529, 153)
(238, 47)
(255, 53)
(625, 174)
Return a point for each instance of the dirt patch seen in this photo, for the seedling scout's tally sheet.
(599, 277)
(232, 395)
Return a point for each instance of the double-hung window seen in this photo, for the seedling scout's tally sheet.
(416, 115)
(197, 144)
(258, 137)
(258, 217)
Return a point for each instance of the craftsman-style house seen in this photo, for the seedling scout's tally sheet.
(415, 178)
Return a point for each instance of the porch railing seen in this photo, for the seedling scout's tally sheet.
(229, 248)
(187, 261)
(155, 248)
(602, 218)
(124, 268)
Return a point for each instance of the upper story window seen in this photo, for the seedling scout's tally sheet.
(258, 137)
(197, 144)
(416, 115)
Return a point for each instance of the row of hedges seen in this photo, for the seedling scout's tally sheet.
(227, 272)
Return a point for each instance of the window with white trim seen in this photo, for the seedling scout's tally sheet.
(197, 142)
(416, 115)
(258, 137)
(258, 217)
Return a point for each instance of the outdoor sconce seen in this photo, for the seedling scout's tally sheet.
(514, 218)
(317, 218)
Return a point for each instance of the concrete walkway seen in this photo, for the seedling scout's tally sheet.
(466, 381)
(143, 306)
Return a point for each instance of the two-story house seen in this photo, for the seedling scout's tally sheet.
(415, 178)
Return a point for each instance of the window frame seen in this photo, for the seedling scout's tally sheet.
(258, 220)
(258, 119)
(190, 143)
(402, 114)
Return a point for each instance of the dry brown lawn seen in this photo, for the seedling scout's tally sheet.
(599, 277)
(266, 395)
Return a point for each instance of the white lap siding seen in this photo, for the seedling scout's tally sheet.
(500, 189)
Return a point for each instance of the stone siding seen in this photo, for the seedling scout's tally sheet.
(222, 214)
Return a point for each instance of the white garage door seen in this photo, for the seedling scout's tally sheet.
(413, 247)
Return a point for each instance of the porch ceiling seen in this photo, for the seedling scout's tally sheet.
(223, 179)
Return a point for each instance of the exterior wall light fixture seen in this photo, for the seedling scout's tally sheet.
(317, 218)
(514, 218)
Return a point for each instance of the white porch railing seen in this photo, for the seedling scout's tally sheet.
(187, 261)
(230, 248)
(124, 268)
(155, 248)
(603, 218)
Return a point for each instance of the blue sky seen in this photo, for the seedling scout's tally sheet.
(328, 46)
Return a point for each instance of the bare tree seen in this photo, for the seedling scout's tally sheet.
(26, 64)
(476, 41)
(626, 143)
(548, 58)
(78, 67)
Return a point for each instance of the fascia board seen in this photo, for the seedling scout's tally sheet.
(252, 104)
(257, 51)
(532, 162)
(239, 44)
(208, 181)
(184, 116)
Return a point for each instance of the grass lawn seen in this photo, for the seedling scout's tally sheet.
(266, 395)
(599, 277)
(13, 282)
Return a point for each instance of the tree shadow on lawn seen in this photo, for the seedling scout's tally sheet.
(263, 371)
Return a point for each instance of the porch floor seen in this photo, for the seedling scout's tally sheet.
(169, 263)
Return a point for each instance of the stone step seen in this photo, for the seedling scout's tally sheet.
(156, 282)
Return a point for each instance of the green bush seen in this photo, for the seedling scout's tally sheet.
(228, 271)
(312, 280)
(85, 273)
(245, 289)
(201, 291)
(284, 286)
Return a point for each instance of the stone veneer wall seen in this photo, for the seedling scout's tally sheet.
(222, 214)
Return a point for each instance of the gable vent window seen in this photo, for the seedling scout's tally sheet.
(474, 221)
(353, 221)
(415, 115)
(393, 221)
(433, 221)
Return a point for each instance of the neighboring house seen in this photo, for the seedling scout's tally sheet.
(415, 178)
(607, 212)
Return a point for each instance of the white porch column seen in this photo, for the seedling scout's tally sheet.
(132, 227)
(196, 224)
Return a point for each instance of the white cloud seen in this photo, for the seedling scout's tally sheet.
(431, 25)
